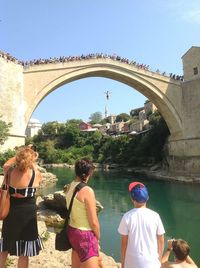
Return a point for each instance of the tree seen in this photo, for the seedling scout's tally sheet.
(5, 156)
(70, 135)
(50, 128)
(4, 131)
(74, 121)
(122, 117)
(47, 151)
(95, 118)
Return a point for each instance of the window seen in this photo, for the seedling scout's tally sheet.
(195, 70)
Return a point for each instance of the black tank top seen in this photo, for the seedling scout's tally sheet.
(26, 192)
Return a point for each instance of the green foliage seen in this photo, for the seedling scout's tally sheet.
(148, 148)
(95, 118)
(47, 151)
(85, 151)
(4, 131)
(5, 156)
(104, 121)
(50, 128)
(29, 140)
(133, 120)
(69, 144)
(70, 136)
(122, 117)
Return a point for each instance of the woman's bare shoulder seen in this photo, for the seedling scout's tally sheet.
(87, 189)
(38, 176)
(87, 193)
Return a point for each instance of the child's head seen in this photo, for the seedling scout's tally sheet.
(181, 249)
(139, 192)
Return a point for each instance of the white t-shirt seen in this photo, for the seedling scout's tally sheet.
(142, 225)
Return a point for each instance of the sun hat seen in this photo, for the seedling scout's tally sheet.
(138, 191)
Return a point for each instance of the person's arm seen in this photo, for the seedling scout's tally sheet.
(124, 243)
(9, 163)
(90, 203)
(165, 257)
(190, 261)
(164, 261)
(160, 241)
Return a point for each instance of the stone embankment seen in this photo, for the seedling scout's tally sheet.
(157, 173)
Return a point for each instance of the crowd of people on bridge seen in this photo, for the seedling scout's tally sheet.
(64, 59)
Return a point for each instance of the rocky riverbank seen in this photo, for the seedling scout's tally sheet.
(152, 172)
(51, 258)
(157, 173)
(52, 206)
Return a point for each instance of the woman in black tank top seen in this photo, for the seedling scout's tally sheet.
(19, 231)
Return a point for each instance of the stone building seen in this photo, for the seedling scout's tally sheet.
(111, 118)
(191, 64)
(149, 107)
(33, 127)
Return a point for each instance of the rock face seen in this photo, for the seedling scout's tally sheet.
(52, 208)
(51, 258)
(47, 177)
(57, 201)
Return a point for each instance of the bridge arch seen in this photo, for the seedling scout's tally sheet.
(23, 88)
(154, 87)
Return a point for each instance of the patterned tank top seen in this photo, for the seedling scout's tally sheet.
(29, 191)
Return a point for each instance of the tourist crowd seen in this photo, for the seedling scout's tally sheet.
(64, 59)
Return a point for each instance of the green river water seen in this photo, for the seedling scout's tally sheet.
(177, 203)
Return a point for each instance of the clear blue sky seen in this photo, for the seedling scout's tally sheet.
(154, 32)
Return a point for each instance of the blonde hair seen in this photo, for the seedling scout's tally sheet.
(25, 158)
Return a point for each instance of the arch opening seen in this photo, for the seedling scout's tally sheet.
(134, 80)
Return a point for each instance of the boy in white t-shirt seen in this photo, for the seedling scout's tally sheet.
(142, 232)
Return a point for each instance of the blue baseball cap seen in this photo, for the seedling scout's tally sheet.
(138, 191)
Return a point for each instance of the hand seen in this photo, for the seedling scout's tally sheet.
(169, 243)
(36, 156)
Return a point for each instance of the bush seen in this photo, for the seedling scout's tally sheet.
(5, 156)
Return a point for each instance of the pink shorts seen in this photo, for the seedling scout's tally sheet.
(83, 242)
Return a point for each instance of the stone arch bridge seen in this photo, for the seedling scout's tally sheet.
(23, 88)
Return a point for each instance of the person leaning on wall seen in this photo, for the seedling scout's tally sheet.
(181, 251)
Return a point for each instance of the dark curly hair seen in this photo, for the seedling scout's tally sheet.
(83, 168)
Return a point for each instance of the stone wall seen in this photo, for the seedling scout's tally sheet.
(191, 60)
(12, 106)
